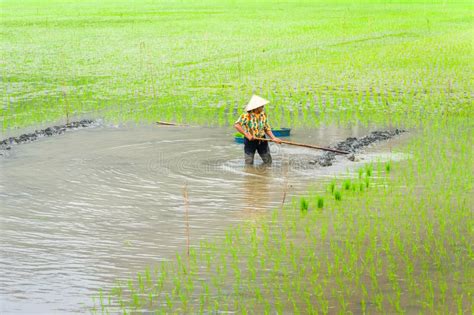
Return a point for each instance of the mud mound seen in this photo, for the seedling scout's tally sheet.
(5, 145)
(353, 145)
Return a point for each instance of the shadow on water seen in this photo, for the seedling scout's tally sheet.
(84, 208)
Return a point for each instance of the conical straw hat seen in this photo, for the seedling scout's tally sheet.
(255, 102)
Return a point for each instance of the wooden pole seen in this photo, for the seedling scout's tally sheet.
(165, 123)
(306, 145)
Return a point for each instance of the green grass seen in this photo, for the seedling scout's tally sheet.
(368, 61)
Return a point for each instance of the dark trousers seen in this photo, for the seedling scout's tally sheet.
(261, 147)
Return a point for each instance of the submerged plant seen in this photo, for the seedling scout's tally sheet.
(368, 171)
(320, 202)
(304, 204)
(347, 184)
(332, 187)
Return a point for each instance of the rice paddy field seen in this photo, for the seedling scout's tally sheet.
(395, 237)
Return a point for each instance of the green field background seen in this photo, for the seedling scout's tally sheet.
(201, 61)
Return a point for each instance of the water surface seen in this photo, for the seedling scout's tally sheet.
(84, 208)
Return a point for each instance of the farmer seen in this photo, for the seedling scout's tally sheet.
(254, 124)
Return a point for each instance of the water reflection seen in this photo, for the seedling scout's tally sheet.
(256, 188)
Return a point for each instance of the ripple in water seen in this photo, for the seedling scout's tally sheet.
(85, 208)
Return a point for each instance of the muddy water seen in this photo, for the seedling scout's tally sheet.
(84, 208)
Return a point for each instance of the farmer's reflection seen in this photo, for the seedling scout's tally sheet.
(256, 188)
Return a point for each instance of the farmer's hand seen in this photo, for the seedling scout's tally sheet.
(249, 137)
(276, 140)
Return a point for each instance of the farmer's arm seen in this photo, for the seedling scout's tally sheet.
(272, 136)
(268, 131)
(239, 128)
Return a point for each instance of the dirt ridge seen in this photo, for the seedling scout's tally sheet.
(354, 145)
(5, 145)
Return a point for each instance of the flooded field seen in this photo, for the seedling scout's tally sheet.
(82, 209)
(94, 220)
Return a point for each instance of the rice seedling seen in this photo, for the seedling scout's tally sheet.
(304, 205)
(332, 187)
(320, 202)
(368, 170)
(347, 184)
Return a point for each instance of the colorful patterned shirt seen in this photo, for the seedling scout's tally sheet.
(255, 124)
